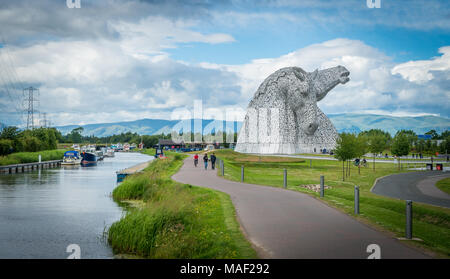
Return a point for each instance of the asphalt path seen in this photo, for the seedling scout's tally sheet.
(287, 224)
(415, 186)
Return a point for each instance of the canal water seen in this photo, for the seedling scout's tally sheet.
(44, 211)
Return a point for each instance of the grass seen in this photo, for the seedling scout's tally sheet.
(444, 185)
(431, 223)
(435, 159)
(30, 157)
(175, 220)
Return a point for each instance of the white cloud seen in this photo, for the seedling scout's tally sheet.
(421, 71)
(373, 84)
(150, 36)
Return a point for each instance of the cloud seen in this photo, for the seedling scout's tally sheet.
(110, 60)
(374, 84)
(422, 71)
(152, 35)
(413, 14)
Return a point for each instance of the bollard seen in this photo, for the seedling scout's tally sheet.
(285, 178)
(242, 173)
(223, 168)
(408, 219)
(39, 158)
(322, 185)
(356, 200)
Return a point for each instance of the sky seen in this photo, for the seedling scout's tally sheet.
(112, 60)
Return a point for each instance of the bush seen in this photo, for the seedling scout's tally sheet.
(31, 144)
(6, 147)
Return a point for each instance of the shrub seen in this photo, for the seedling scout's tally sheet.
(6, 147)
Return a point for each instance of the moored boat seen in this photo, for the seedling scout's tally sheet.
(89, 159)
(71, 158)
(109, 153)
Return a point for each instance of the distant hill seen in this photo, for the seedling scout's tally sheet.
(147, 127)
(346, 122)
(349, 122)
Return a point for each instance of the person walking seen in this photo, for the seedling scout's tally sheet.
(213, 161)
(205, 161)
(195, 160)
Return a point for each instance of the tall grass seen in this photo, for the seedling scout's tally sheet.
(175, 220)
(31, 157)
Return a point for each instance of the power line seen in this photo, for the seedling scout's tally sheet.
(31, 99)
(10, 79)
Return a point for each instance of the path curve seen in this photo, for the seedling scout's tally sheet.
(415, 186)
(289, 224)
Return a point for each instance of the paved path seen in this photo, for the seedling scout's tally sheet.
(415, 186)
(289, 224)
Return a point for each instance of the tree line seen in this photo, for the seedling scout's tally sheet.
(351, 146)
(14, 140)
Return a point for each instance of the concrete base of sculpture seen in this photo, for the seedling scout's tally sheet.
(283, 117)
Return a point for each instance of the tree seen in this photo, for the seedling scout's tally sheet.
(344, 151)
(400, 146)
(410, 135)
(6, 146)
(433, 133)
(377, 144)
(444, 147)
(361, 147)
(75, 135)
(9, 133)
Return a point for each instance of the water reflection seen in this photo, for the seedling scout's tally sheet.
(43, 211)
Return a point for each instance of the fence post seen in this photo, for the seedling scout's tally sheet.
(322, 185)
(223, 168)
(408, 219)
(285, 178)
(242, 173)
(356, 200)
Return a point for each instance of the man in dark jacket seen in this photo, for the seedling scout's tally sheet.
(213, 160)
(205, 161)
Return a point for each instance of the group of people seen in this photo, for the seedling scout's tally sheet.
(363, 163)
(211, 158)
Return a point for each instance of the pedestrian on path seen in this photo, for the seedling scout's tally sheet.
(205, 161)
(213, 161)
(195, 160)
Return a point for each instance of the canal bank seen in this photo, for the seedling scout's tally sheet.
(43, 211)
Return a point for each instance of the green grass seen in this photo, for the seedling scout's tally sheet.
(370, 158)
(444, 185)
(30, 157)
(431, 223)
(174, 220)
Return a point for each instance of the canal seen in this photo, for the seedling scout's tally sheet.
(44, 211)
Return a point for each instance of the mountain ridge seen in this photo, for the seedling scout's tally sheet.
(344, 122)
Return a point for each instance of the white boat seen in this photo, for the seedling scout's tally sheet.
(71, 158)
(99, 154)
(109, 153)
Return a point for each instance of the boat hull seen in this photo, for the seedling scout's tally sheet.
(88, 159)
